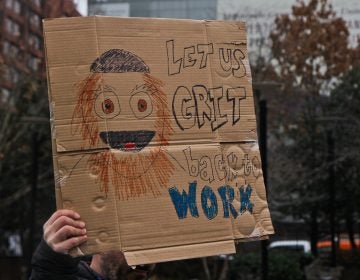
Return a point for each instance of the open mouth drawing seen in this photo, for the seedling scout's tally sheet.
(127, 141)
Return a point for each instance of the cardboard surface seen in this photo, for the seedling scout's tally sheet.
(154, 135)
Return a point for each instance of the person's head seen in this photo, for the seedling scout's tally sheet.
(113, 266)
(122, 106)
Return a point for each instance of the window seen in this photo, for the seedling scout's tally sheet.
(14, 5)
(6, 47)
(9, 4)
(33, 63)
(15, 75)
(34, 41)
(17, 7)
(36, 2)
(11, 74)
(5, 94)
(34, 20)
(12, 27)
(6, 73)
(10, 50)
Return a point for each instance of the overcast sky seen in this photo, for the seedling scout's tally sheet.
(82, 6)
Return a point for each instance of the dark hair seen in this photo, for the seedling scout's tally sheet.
(118, 61)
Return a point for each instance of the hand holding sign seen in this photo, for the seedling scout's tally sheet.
(64, 231)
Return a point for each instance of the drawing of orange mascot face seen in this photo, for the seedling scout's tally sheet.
(122, 106)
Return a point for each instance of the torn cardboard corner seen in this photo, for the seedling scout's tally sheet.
(154, 135)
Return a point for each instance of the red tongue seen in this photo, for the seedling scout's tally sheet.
(129, 146)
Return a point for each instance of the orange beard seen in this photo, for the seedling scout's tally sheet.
(132, 174)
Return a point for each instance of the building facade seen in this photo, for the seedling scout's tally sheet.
(21, 37)
(188, 9)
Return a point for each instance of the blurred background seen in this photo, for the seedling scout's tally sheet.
(305, 60)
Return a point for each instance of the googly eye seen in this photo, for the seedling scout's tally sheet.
(107, 105)
(141, 105)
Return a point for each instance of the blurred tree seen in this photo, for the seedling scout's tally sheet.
(311, 53)
(310, 46)
(283, 265)
(355, 56)
(344, 105)
(25, 157)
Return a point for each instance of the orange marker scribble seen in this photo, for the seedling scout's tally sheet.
(84, 109)
(135, 175)
(132, 174)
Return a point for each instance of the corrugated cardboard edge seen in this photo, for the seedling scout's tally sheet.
(58, 195)
(179, 252)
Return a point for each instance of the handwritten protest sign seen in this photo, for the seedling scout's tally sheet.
(154, 135)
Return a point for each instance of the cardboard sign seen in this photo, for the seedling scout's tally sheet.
(154, 135)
